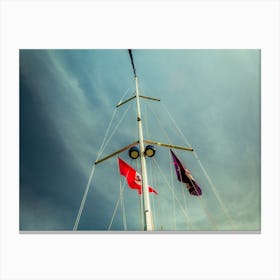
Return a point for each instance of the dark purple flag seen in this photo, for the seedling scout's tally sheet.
(185, 176)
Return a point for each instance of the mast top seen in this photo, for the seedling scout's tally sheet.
(131, 58)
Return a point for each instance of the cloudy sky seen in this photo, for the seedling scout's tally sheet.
(67, 100)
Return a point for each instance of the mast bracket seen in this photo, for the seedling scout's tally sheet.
(131, 98)
(116, 152)
(148, 97)
(169, 145)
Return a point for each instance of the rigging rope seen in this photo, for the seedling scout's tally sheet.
(101, 149)
(184, 198)
(169, 139)
(117, 204)
(210, 219)
(174, 208)
(106, 134)
(172, 190)
(123, 208)
(115, 129)
(160, 125)
(214, 189)
(158, 208)
(83, 199)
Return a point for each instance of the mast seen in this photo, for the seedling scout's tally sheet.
(148, 219)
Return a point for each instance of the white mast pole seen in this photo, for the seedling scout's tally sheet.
(145, 189)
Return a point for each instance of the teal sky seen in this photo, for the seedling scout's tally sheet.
(67, 98)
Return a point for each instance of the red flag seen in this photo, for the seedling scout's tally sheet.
(133, 178)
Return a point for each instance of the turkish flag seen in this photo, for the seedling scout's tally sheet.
(133, 178)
